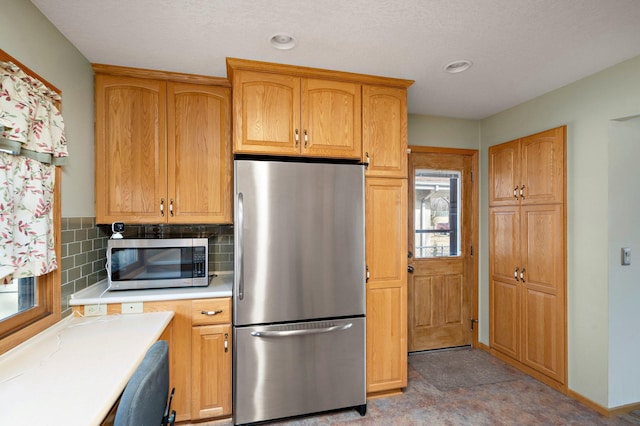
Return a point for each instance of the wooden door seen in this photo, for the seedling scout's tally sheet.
(331, 119)
(504, 174)
(386, 239)
(541, 276)
(211, 371)
(130, 149)
(199, 154)
(266, 111)
(504, 289)
(542, 167)
(442, 213)
(384, 131)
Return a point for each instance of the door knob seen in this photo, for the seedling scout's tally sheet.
(410, 269)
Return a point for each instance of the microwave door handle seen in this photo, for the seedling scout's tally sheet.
(240, 226)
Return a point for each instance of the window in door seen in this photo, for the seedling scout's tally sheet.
(437, 218)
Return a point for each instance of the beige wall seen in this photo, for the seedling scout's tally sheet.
(29, 37)
(427, 130)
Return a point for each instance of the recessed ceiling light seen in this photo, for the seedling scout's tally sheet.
(458, 66)
(282, 41)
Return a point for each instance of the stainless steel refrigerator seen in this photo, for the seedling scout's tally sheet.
(299, 289)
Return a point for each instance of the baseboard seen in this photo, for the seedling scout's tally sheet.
(608, 412)
(384, 394)
(484, 347)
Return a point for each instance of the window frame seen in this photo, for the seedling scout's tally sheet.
(24, 325)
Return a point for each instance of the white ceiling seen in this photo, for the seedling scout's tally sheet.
(520, 48)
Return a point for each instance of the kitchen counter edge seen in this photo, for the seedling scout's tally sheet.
(220, 286)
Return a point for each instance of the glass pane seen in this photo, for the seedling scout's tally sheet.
(437, 218)
(17, 296)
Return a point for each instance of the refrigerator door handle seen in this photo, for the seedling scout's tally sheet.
(304, 332)
(240, 253)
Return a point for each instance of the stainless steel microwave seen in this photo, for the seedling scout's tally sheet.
(138, 263)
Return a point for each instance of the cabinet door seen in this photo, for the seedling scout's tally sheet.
(384, 131)
(199, 154)
(542, 167)
(179, 353)
(542, 283)
(504, 174)
(331, 119)
(504, 246)
(211, 371)
(130, 149)
(266, 112)
(386, 252)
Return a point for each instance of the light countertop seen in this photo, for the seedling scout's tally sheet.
(220, 286)
(73, 372)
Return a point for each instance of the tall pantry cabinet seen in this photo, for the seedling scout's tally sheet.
(527, 254)
(384, 112)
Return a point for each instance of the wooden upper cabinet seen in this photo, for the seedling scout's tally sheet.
(266, 113)
(331, 119)
(529, 170)
(287, 115)
(163, 147)
(199, 155)
(298, 111)
(130, 148)
(384, 131)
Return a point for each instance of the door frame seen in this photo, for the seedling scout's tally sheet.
(475, 220)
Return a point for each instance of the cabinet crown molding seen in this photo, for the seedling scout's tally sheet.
(160, 75)
(299, 71)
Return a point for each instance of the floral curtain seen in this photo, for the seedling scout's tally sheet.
(32, 142)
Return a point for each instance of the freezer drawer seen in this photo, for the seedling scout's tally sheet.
(301, 368)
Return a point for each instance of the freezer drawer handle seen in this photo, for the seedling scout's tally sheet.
(211, 313)
(301, 332)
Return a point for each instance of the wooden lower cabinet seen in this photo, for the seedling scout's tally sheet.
(386, 253)
(199, 337)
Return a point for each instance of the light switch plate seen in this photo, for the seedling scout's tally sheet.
(626, 256)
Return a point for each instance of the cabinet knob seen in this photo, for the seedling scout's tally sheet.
(162, 207)
(306, 138)
(226, 342)
(522, 192)
(297, 137)
(171, 207)
(515, 274)
(515, 192)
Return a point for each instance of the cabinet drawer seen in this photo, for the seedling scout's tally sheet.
(211, 311)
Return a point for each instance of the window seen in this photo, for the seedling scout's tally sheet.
(45, 293)
(437, 218)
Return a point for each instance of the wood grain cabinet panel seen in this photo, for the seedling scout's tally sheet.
(386, 247)
(211, 371)
(163, 152)
(384, 131)
(530, 170)
(527, 254)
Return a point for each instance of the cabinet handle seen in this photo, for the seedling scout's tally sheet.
(211, 313)
(306, 138)
(522, 274)
(515, 273)
(226, 342)
(171, 207)
(515, 192)
(162, 207)
(297, 137)
(522, 192)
